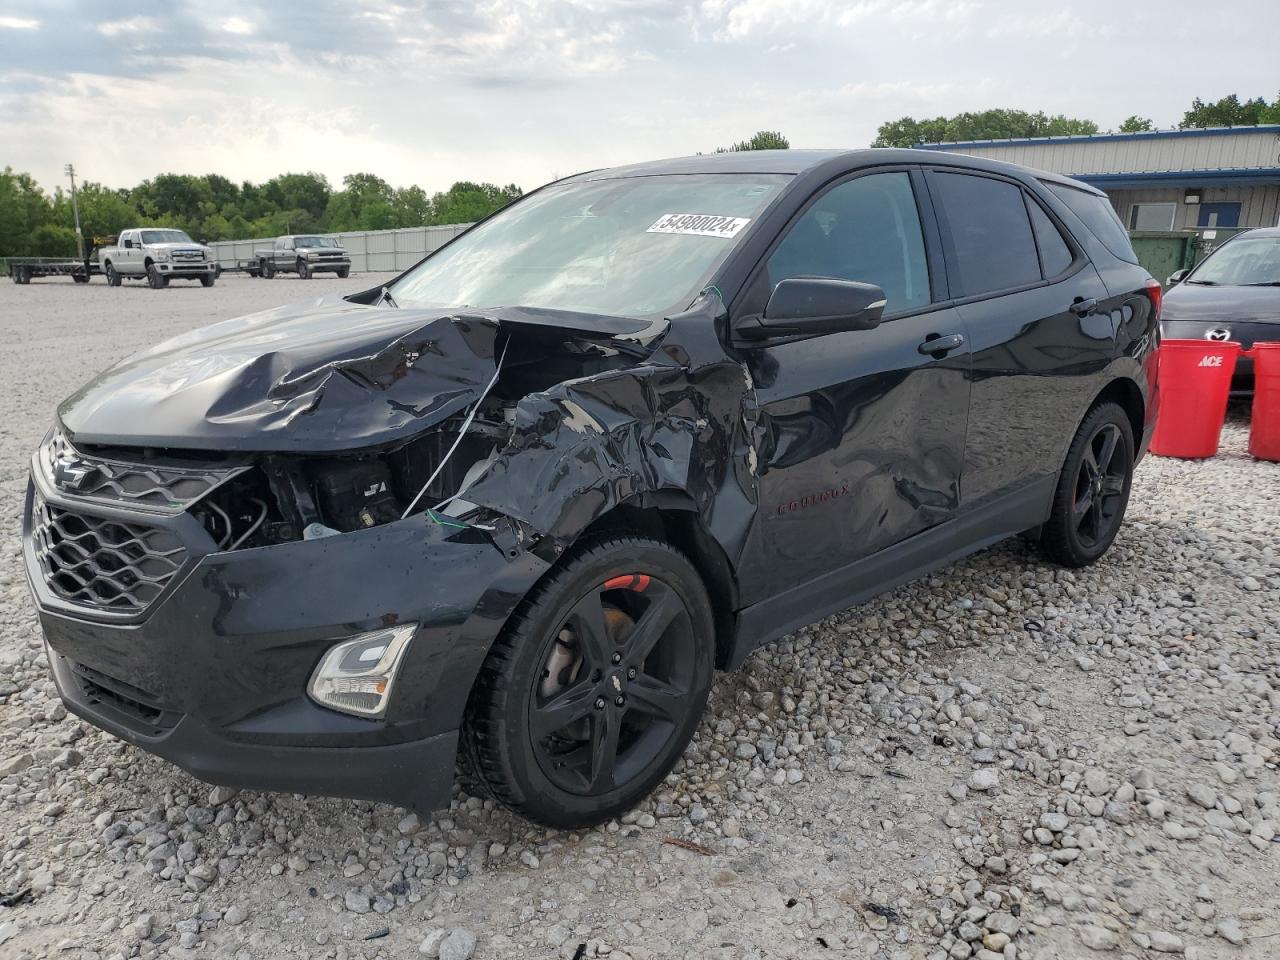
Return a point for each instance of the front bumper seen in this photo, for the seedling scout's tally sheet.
(212, 675)
(329, 265)
(190, 268)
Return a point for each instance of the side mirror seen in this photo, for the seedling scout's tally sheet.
(813, 306)
(1177, 276)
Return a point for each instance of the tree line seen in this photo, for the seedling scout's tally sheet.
(1003, 124)
(212, 207)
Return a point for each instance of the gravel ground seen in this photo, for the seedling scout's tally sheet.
(1004, 760)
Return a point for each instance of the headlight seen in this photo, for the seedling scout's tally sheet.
(356, 675)
(162, 255)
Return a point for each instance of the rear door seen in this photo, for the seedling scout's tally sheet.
(1040, 331)
(862, 432)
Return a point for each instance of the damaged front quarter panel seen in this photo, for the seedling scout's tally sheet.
(682, 422)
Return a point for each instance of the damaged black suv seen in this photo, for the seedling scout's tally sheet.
(517, 505)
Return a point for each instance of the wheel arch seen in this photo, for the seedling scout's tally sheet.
(673, 517)
(1128, 396)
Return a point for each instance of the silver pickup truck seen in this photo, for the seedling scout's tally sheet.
(157, 255)
(305, 255)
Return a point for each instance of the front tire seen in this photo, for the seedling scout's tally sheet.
(595, 687)
(344, 272)
(155, 279)
(1093, 489)
(304, 270)
(208, 280)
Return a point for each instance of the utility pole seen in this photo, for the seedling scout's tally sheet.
(75, 209)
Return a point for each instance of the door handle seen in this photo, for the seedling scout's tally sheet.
(1082, 305)
(936, 346)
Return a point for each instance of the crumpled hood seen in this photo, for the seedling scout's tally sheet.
(326, 376)
(1222, 304)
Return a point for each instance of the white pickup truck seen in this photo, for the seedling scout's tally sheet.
(303, 254)
(157, 255)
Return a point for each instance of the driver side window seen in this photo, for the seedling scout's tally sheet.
(865, 229)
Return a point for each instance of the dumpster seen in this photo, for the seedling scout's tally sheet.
(1195, 378)
(1264, 429)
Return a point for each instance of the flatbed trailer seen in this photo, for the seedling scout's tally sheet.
(24, 269)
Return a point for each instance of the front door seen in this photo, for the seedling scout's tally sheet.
(862, 439)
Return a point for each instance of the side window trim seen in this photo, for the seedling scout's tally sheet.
(949, 252)
(1078, 257)
(752, 304)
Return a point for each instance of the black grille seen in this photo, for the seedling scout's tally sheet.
(134, 703)
(100, 563)
(171, 487)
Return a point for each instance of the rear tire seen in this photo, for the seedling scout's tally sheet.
(268, 270)
(1093, 489)
(113, 278)
(596, 685)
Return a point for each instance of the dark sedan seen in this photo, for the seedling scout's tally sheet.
(1233, 294)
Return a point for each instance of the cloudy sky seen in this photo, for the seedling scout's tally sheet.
(524, 91)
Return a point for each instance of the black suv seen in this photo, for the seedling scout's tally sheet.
(518, 504)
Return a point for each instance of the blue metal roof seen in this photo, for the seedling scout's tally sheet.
(1104, 137)
(1237, 176)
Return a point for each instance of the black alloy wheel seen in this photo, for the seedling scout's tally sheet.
(612, 690)
(595, 687)
(1100, 485)
(1093, 489)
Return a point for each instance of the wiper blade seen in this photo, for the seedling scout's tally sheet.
(1203, 283)
(387, 298)
(1263, 283)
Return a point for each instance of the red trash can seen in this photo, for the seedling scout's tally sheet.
(1264, 430)
(1195, 379)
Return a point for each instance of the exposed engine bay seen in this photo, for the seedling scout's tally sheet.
(285, 497)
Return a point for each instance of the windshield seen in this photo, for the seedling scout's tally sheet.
(314, 242)
(631, 247)
(1244, 261)
(165, 236)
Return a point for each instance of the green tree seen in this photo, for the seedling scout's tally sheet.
(1230, 111)
(762, 140)
(23, 208)
(300, 191)
(1136, 124)
(51, 240)
(466, 202)
(995, 124)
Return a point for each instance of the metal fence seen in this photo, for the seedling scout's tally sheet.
(371, 251)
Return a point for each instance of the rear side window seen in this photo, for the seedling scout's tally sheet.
(865, 229)
(992, 247)
(1055, 255)
(1099, 216)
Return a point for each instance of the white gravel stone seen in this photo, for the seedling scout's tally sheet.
(984, 778)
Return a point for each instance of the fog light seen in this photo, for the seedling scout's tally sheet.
(356, 675)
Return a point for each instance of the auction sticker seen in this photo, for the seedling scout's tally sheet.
(699, 225)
